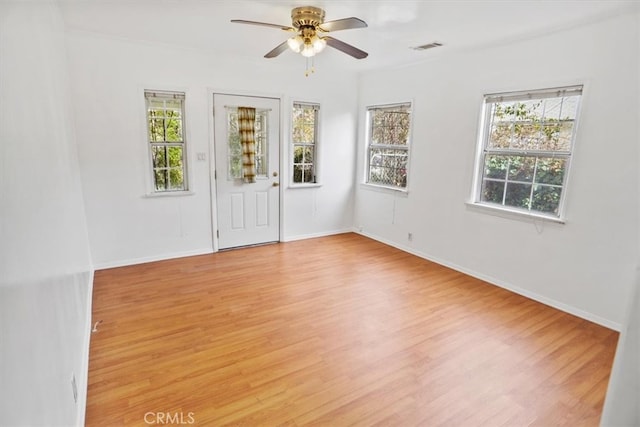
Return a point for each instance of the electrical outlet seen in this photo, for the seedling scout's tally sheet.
(74, 387)
(410, 237)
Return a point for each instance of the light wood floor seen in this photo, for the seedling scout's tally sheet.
(335, 331)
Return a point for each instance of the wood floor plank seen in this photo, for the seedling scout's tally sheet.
(340, 330)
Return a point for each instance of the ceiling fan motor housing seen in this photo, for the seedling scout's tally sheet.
(307, 16)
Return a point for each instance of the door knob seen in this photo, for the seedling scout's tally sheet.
(275, 184)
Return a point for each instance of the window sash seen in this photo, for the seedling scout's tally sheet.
(528, 194)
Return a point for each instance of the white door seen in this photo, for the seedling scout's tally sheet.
(248, 213)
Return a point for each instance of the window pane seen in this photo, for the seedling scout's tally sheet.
(564, 136)
(531, 110)
(297, 173)
(159, 157)
(550, 136)
(503, 112)
(174, 130)
(569, 108)
(175, 157)
(492, 191)
(518, 195)
(308, 155)
(176, 179)
(521, 168)
(526, 136)
(234, 168)
(307, 173)
(156, 130)
(552, 109)
(160, 178)
(261, 138)
(496, 166)
(304, 123)
(550, 171)
(261, 166)
(500, 136)
(546, 199)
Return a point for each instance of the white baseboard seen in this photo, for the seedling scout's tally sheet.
(496, 282)
(143, 260)
(204, 251)
(315, 235)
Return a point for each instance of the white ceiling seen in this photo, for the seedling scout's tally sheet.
(394, 26)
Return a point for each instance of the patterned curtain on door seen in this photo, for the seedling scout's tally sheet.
(246, 127)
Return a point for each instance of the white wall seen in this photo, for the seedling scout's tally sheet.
(45, 267)
(622, 405)
(585, 266)
(126, 227)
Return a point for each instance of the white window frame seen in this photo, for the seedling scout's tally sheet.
(370, 145)
(314, 145)
(483, 150)
(167, 95)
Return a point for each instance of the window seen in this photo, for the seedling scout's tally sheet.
(234, 153)
(305, 141)
(165, 125)
(526, 145)
(388, 145)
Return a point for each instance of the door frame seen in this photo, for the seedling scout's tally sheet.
(213, 205)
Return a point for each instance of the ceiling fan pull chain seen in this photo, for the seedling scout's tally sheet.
(309, 70)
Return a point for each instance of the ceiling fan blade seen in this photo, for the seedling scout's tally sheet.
(343, 24)
(277, 50)
(346, 48)
(263, 24)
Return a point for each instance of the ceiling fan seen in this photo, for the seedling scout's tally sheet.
(308, 24)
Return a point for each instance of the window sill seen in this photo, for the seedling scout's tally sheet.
(168, 194)
(308, 185)
(385, 189)
(505, 212)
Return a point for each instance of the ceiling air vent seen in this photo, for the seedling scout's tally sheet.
(427, 46)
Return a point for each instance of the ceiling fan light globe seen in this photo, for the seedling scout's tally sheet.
(319, 44)
(308, 51)
(295, 43)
